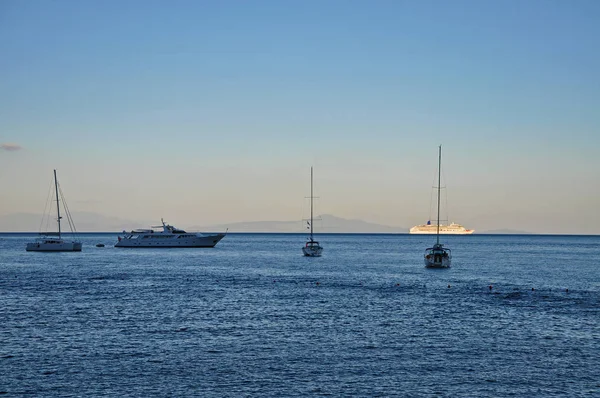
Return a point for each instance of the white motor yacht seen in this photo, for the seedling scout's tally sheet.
(168, 237)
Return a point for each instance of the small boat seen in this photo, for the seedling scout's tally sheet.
(438, 256)
(312, 248)
(53, 241)
(100, 245)
(169, 237)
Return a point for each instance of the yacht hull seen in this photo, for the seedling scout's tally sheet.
(139, 242)
(54, 246)
(437, 257)
(312, 252)
(444, 263)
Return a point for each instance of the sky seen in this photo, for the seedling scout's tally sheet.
(213, 112)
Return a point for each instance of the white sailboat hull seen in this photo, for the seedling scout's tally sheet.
(54, 245)
(312, 251)
(437, 263)
(438, 257)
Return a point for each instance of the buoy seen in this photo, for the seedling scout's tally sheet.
(532, 289)
(448, 286)
(397, 284)
(490, 287)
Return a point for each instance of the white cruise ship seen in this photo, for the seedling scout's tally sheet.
(168, 237)
(431, 229)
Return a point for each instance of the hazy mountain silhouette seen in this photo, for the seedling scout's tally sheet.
(506, 232)
(84, 222)
(94, 222)
(325, 223)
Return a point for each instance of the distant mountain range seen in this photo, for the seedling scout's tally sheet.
(506, 232)
(84, 221)
(325, 223)
(94, 222)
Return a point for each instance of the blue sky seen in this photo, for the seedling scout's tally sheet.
(214, 111)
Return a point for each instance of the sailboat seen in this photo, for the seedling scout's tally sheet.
(53, 241)
(312, 248)
(438, 256)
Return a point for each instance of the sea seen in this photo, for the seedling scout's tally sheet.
(515, 316)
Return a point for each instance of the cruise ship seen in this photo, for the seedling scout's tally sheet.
(168, 237)
(431, 229)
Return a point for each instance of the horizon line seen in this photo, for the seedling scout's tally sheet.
(324, 233)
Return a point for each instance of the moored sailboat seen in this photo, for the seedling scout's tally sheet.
(438, 256)
(312, 248)
(53, 241)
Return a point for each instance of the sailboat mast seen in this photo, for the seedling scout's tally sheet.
(57, 204)
(311, 203)
(438, 196)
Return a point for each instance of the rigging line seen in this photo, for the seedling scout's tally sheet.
(70, 220)
(302, 219)
(46, 208)
(65, 207)
(446, 198)
(48, 215)
(431, 193)
(69, 217)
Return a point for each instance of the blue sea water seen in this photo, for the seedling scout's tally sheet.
(252, 317)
